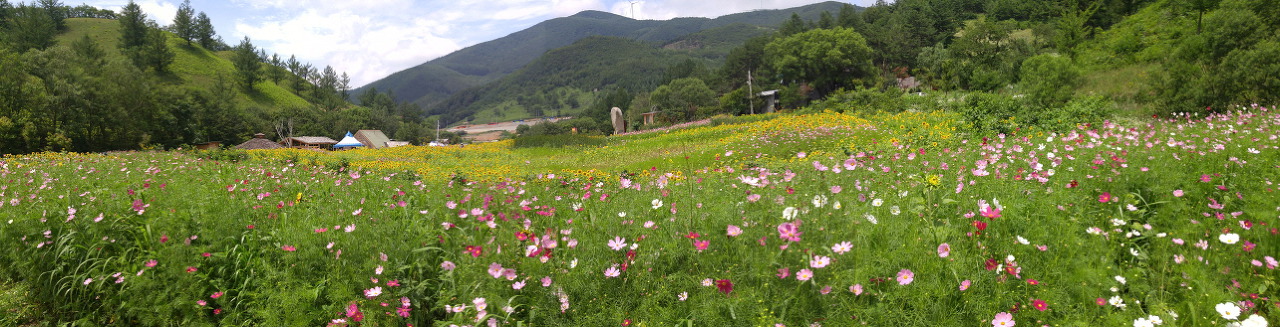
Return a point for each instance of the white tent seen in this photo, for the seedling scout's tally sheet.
(348, 142)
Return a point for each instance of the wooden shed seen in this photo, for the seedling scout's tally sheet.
(308, 142)
(372, 138)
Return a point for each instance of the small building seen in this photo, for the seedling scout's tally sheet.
(209, 145)
(392, 144)
(372, 138)
(259, 142)
(649, 117)
(348, 142)
(308, 142)
(770, 100)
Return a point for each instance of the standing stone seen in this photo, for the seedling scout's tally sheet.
(619, 126)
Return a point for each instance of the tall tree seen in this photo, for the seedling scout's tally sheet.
(156, 53)
(203, 30)
(344, 85)
(247, 64)
(56, 11)
(184, 24)
(5, 10)
(792, 26)
(826, 21)
(30, 28)
(850, 18)
(133, 26)
(828, 59)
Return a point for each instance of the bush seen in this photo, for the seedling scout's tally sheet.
(1048, 80)
(992, 113)
(1082, 110)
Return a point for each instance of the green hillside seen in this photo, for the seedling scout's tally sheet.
(434, 81)
(193, 67)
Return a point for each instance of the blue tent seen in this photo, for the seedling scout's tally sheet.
(348, 142)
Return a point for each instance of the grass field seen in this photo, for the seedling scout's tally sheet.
(810, 220)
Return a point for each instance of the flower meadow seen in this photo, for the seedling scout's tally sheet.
(814, 220)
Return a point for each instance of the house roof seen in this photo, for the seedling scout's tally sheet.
(372, 138)
(258, 144)
(311, 140)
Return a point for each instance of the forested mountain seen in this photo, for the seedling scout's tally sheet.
(434, 81)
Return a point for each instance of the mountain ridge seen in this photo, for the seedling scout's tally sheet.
(434, 81)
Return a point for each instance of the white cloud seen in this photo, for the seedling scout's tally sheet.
(668, 9)
(160, 11)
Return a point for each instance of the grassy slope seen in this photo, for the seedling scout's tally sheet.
(193, 66)
(1117, 62)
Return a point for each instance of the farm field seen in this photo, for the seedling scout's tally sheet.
(824, 219)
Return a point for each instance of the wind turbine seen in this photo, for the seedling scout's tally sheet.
(633, 9)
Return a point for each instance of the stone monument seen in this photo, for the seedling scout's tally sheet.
(619, 126)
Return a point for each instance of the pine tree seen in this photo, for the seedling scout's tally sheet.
(203, 30)
(247, 64)
(56, 11)
(133, 26)
(183, 23)
(156, 53)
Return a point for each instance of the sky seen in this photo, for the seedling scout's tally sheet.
(370, 39)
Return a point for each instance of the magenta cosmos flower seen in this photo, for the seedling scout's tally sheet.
(788, 231)
(905, 277)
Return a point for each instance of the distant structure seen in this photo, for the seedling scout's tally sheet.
(770, 100)
(308, 142)
(372, 138)
(649, 117)
(392, 144)
(619, 126)
(259, 142)
(348, 142)
(209, 145)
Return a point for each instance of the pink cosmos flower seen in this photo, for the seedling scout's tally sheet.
(612, 272)
(819, 261)
(991, 212)
(518, 285)
(905, 277)
(734, 230)
(856, 289)
(1003, 319)
(288, 248)
(201, 302)
(804, 274)
(965, 285)
(842, 247)
(150, 263)
(825, 290)
(1177, 193)
(448, 265)
(784, 272)
(216, 295)
(836, 189)
(495, 270)
(944, 250)
(1105, 197)
(373, 292)
(546, 281)
(701, 244)
(617, 243)
(788, 231)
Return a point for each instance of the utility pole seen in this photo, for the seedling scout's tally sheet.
(751, 93)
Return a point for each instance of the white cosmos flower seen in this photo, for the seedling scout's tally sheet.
(789, 213)
(877, 202)
(819, 201)
(656, 204)
(1229, 238)
(1228, 310)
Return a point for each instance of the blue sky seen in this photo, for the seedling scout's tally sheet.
(370, 39)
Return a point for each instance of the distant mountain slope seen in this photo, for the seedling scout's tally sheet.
(434, 81)
(592, 63)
